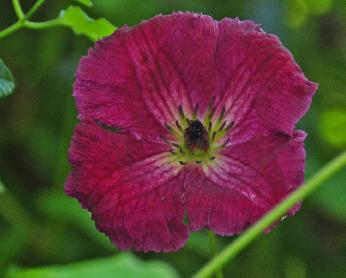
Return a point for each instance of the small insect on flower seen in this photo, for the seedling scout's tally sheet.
(185, 117)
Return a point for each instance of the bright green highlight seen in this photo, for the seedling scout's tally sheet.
(332, 127)
(281, 209)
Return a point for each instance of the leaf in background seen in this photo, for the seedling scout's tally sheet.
(87, 3)
(75, 18)
(2, 188)
(319, 7)
(199, 243)
(59, 207)
(123, 265)
(296, 13)
(330, 198)
(6, 80)
(332, 127)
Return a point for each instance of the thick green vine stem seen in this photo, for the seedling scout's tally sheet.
(271, 217)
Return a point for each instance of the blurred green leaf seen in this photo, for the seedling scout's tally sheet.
(199, 243)
(332, 127)
(294, 268)
(330, 198)
(319, 7)
(87, 3)
(75, 18)
(62, 208)
(124, 265)
(2, 188)
(6, 80)
(296, 12)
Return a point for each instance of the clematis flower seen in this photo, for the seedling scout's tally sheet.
(186, 123)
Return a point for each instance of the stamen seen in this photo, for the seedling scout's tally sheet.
(195, 110)
(181, 112)
(209, 126)
(222, 115)
(225, 143)
(198, 141)
(231, 124)
(222, 126)
(165, 140)
(212, 113)
(196, 137)
(176, 145)
(213, 136)
(178, 125)
(168, 127)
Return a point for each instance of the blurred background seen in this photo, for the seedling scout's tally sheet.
(40, 226)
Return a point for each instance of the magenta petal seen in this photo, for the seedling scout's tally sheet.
(107, 89)
(184, 45)
(138, 77)
(132, 195)
(220, 209)
(250, 179)
(262, 87)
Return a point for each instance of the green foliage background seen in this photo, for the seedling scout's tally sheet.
(40, 226)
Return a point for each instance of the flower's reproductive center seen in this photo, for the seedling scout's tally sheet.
(195, 136)
(197, 140)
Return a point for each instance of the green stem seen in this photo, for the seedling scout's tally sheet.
(11, 29)
(271, 217)
(34, 8)
(18, 9)
(212, 239)
(22, 22)
(42, 25)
